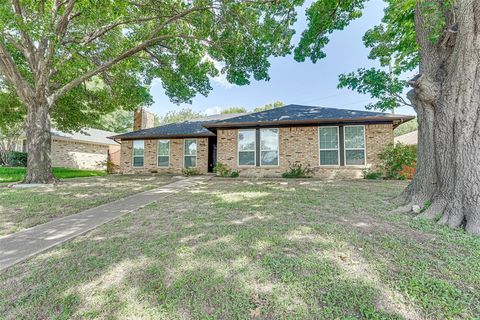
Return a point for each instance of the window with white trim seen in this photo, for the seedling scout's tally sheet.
(329, 146)
(138, 153)
(190, 153)
(246, 147)
(354, 145)
(269, 147)
(163, 153)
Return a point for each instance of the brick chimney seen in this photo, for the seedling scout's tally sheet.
(142, 119)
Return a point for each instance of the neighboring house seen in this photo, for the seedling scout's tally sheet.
(410, 138)
(332, 142)
(88, 149)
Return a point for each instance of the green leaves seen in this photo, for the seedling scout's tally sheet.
(387, 88)
(324, 17)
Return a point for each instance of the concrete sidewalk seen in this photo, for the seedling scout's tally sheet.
(20, 246)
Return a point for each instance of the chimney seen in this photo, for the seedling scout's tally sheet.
(142, 119)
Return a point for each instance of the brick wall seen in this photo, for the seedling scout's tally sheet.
(150, 154)
(300, 145)
(79, 155)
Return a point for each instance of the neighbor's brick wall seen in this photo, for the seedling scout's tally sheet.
(176, 157)
(300, 145)
(79, 155)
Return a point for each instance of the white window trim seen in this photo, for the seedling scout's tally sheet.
(364, 148)
(320, 148)
(134, 156)
(278, 148)
(254, 149)
(169, 152)
(196, 152)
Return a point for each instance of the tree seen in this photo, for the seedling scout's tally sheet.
(276, 104)
(119, 121)
(442, 39)
(63, 57)
(182, 115)
(11, 123)
(233, 110)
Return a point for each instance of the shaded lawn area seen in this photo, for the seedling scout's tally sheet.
(25, 208)
(242, 249)
(9, 174)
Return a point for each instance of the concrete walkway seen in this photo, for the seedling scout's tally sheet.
(22, 245)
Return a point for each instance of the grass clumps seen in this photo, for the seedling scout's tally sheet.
(296, 170)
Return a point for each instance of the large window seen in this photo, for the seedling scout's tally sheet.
(354, 145)
(246, 147)
(190, 153)
(269, 147)
(329, 146)
(163, 153)
(138, 153)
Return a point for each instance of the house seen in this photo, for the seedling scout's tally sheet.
(410, 138)
(332, 142)
(87, 149)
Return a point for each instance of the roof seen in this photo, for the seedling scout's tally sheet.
(193, 128)
(298, 114)
(173, 130)
(410, 138)
(87, 135)
(287, 115)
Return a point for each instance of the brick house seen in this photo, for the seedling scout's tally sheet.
(87, 149)
(335, 143)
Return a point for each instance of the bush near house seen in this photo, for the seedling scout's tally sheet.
(8, 174)
(398, 162)
(296, 170)
(223, 170)
(17, 159)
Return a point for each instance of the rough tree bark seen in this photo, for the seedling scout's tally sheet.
(39, 145)
(447, 98)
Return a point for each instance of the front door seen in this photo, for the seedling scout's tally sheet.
(212, 153)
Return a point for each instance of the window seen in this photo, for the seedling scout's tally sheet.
(138, 153)
(354, 145)
(163, 153)
(190, 153)
(329, 152)
(269, 147)
(246, 147)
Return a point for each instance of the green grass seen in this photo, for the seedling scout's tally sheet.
(8, 174)
(243, 249)
(25, 208)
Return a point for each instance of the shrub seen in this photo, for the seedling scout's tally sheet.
(398, 161)
(187, 172)
(372, 175)
(222, 170)
(296, 170)
(17, 159)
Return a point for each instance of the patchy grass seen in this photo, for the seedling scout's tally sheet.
(256, 249)
(8, 174)
(25, 208)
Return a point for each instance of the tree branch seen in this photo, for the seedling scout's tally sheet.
(10, 71)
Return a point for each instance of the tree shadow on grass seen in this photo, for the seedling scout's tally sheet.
(205, 253)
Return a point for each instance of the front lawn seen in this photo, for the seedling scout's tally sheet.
(25, 208)
(8, 174)
(243, 249)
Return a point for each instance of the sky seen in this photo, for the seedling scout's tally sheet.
(295, 82)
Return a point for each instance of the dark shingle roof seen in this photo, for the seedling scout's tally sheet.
(179, 130)
(291, 114)
(306, 114)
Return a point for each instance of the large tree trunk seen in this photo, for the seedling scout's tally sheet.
(450, 84)
(39, 145)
